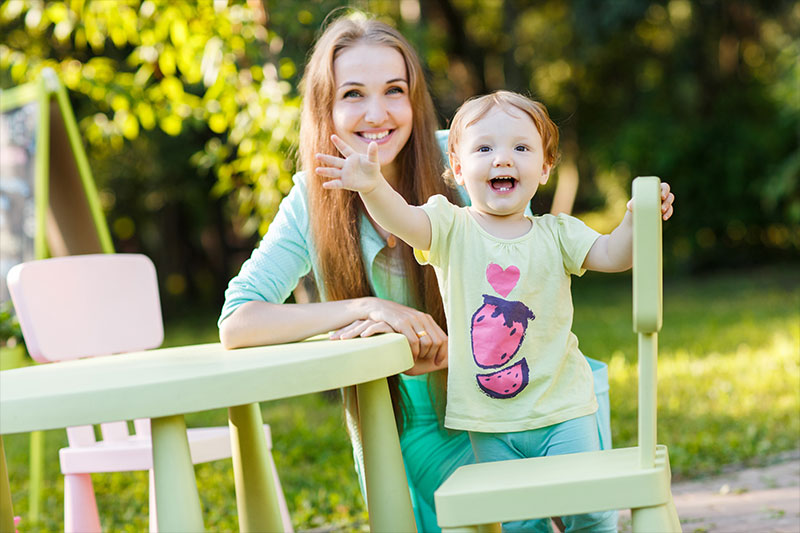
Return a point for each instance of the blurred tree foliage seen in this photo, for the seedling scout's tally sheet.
(704, 94)
(190, 109)
(190, 124)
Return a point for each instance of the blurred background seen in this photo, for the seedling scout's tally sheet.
(189, 111)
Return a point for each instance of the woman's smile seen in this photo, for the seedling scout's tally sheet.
(380, 137)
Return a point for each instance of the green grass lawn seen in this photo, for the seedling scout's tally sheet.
(729, 393)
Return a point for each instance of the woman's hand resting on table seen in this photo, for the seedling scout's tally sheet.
(427, 340)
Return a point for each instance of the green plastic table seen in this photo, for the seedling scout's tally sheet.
(166, 383)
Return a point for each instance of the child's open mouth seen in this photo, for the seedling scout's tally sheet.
(503, 184)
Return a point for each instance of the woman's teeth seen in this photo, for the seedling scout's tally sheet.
(375, 136)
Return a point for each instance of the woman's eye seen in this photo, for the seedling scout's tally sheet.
(395, 90)
(351, 94)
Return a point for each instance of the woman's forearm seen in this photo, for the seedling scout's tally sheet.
(258, 323)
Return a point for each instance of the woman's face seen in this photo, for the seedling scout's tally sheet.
(372, 102)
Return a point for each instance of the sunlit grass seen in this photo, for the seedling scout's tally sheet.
(722, 408)
(729, 392)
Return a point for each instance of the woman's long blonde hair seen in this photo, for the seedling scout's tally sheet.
(335, 214)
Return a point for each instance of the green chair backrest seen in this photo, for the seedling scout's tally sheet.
(647, 305)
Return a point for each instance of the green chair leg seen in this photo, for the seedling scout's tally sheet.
(388, 499)
(36, 463)
(256, 496)
(177, 499)
(6, 509)
(657, 519)
(673, 514)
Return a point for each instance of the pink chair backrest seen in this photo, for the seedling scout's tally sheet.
(87, 305)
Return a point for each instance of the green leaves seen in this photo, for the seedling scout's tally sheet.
(171, 65)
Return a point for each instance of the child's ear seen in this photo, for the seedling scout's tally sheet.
(455, 166)
(545, 174)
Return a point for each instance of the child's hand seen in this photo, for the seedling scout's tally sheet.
(667, 198)
(355, 171)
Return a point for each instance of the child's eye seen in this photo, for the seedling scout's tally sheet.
(521, 148)
(484, 149)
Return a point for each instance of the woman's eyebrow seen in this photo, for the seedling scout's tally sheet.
(359, 84)
(356, 83)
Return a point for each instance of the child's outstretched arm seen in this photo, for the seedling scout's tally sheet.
(614, 252)
(362, 173)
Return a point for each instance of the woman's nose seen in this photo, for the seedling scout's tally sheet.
(376, 112)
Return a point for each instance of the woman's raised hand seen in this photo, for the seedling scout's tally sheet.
(426, 339)
(355, 171)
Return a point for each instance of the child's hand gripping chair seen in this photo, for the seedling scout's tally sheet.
(89, 305)
(477, 497)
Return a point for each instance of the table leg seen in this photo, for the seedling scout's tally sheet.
(256, 494)
(388, 498)
(36, 475)
(177, 499)
(6, 509)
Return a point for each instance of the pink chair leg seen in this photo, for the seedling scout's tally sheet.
(80, 506)
(285, 517)
(153, 517)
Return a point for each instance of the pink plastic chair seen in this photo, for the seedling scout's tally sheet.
(89, 305)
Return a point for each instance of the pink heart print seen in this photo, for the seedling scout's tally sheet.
(502, 281)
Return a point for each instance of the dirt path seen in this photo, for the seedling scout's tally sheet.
(759, 500)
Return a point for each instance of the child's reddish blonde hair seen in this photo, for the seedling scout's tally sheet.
(476, 108)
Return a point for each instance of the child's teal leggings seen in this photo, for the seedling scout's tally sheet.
(573, 436)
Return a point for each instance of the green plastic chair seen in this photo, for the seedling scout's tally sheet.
(478, 497)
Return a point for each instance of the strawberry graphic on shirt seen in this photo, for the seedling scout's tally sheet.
(497, 330)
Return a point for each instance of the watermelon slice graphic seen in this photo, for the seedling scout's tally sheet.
(498, 328)
(505, 383)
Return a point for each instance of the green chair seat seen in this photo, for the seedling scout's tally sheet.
(561, 485)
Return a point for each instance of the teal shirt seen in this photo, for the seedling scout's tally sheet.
(286, 254)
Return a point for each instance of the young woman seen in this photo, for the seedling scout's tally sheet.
(365, 83)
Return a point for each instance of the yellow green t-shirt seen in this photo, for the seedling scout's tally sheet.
(514, 361)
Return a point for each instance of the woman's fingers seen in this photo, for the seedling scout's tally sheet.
(425, 337)
(426, 342)
(431, 337)
(351, 331)
(413, 339)
(441, 355)
(375, 328)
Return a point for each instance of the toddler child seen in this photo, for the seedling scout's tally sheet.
(517, 381)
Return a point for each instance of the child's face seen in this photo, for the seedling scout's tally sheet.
(500, 161)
